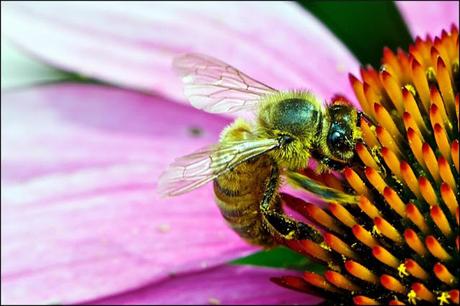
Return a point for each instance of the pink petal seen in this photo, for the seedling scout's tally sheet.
(133, 44)
(237, 285)
(429, 17)
(80, 215)
(20, 70)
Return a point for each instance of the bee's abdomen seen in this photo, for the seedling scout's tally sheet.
(238, 195)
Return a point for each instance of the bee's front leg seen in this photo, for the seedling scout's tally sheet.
(324, 192)
(279, 224)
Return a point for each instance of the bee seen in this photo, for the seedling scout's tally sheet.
(247, 164)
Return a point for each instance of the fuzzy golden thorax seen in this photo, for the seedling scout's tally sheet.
(300, 117)
(295, 115)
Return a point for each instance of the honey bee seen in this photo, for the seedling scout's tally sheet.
(247, 164)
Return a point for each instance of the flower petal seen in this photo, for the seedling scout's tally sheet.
(20, 70)
(133, 44)
(80, 215)
(428, 17)
(228, 285)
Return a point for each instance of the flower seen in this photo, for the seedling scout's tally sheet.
(78, 160)
(398, 242)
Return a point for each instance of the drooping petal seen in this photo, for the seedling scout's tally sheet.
(80, 215)
(228, 285)
(133, 44)
(428, 17)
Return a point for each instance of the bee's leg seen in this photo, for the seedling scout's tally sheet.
(330, 164)
(279, 223)
(365, 116)
(324, 192)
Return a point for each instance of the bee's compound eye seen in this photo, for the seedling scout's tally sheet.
(337, 141)
(286, 139)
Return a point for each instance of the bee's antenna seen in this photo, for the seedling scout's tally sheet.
(365, 116)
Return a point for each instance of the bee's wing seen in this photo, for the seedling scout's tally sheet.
(192, 171)
(217, 87)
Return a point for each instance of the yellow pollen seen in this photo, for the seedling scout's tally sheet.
(402, 271)
(375, 231)
(412, 297)
(443, 298)
(325, 246)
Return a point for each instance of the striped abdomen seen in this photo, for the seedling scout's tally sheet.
(239, 193)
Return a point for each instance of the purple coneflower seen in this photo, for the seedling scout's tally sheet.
(398, 243)
(80, 218)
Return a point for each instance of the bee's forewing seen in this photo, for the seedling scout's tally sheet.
(192, 171)
(217, 87)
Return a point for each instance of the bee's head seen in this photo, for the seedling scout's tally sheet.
(293, 118)
(342, 132)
